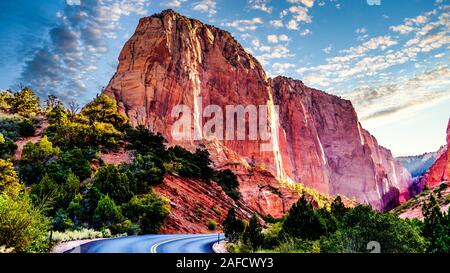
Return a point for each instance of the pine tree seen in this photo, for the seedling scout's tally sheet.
(232, 226)
(253, 236)
(436, 226)
(25, 103)
(303, 222)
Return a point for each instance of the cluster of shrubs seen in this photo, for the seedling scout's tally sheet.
(54, 188)
(340, 229)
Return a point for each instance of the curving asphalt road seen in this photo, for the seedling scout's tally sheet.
(173, 243)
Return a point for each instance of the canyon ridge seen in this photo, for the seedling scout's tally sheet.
(173, 60)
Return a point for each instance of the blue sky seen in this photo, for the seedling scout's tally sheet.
(391, 60)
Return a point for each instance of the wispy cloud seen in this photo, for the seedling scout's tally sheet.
(262, 5)
(386, 100)
(245, 24)
(173, 3)
(206, 6)
(59, 66)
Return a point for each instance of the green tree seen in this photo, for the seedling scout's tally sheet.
(337, 207)
(144, 141)
(9, 181)
(77, 161)
(227, 180)
(52, 102)
(148, 170)
(303, 222)
(233, 227)
(7, 148)
(362, 225)
(253, 236)
(103, 109)
(69, 189)
(108, 215)
(25, 103)
(118, 185)
(46, 191)
(62, 221)
(149, 210)
(57, 116)
(22, 226)
(40, 151)
(26, 128)
(436, 227)
(6, 98)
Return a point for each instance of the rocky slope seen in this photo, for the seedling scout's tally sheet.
(317, 139)
(194, 203)
(440, 171)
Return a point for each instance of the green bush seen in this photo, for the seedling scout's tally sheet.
(118, 184)
(9, 181)
(40, 151)
(103, 109)
(253, 236)
(77, 161)
(148, 170)
(212, 225)
(73, 235)
(26, 128)
(22, 226)
(144, 141)
(233, 227)
(227, 180)
(149, 210)
(7, 148)
(108, 215)
(303, 222)
(62, 221)
(24, 103)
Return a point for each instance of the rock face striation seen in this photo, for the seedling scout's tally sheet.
(440, 171)
(316, 137)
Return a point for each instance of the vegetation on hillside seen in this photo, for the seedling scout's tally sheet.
(57, 187)
(340, 229)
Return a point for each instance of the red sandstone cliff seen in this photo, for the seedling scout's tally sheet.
(172, 60)
(440, 171)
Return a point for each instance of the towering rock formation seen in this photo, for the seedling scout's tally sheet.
(440, 171)
(316, 137)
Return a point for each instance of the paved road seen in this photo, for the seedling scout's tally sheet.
(178, 243)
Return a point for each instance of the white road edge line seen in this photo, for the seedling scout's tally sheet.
(155, 246)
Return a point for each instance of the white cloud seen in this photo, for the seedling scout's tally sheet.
(361, 30)
(276, 23)
(300, 14)
(292, 25)
(284, 38)
(273, 52)
(305, 32)
(308, 3)
(205, 6)
(379, 42)
(76, 42)
(328, 49)
(173, 3)
(246, 24)
(272, 38)
(393, 99)
(261, 5)
(282, 67)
